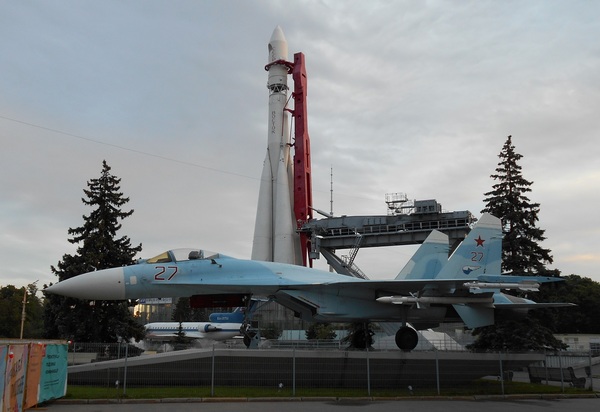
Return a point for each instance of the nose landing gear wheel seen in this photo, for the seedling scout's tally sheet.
(407, 338)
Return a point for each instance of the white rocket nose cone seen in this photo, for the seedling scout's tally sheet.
(278, 48)
(107, 284)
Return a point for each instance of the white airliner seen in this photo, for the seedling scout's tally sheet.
(222, 326)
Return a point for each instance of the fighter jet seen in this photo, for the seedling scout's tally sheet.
(213, 279)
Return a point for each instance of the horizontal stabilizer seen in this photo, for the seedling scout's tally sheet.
(513, 278)
(534, 305)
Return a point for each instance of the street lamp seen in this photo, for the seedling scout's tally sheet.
(24, 303)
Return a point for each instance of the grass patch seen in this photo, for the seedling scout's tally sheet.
(478, 387)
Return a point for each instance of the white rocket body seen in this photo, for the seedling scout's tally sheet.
(275, 237)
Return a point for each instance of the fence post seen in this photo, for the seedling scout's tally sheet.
(546, 365)
(212, 373)
(501, 372)
(562, 381)
(368, 374)
(591, 375)
(294, 371)
(125, 368)
(437, 371)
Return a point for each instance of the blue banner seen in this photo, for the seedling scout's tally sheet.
(53, 379)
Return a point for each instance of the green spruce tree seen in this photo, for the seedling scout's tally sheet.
(360, 336)
(521, 251)
(99, 247)
(181, 341)
(521, 255)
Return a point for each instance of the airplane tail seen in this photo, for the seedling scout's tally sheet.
(478, 257)
(237, 316)
(479, 254)
(429, 258)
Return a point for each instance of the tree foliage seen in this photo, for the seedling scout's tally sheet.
(183, 312)
(521, 251)
(320, 331)
(521, 254)
(360, 336)
(583, 318)
(99, 247)
(271, 331)
(517, 335)
(181, 341)
(11, 309)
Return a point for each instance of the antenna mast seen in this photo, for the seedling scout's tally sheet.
(331, 191)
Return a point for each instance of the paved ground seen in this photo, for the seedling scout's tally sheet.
(325, 405)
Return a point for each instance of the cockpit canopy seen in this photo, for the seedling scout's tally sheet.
(180, 255)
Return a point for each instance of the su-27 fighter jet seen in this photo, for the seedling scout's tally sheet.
(465, 283)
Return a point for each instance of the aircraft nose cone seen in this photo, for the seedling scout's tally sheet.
(107, 284)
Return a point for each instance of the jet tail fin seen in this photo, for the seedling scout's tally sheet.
(479, 254)
(429, 258)
(237, 316)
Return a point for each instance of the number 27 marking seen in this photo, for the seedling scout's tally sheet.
(162, 270)
(476, 256)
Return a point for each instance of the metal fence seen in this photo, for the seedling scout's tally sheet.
(324, 365)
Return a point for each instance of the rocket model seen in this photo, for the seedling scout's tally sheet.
(275, 237)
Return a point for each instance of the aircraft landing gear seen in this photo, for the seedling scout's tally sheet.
(251, 338)
(249, 330)
(407, 338)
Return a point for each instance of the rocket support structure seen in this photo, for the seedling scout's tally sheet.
(302, 162)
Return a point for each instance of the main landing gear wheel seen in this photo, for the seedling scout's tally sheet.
(407, 338)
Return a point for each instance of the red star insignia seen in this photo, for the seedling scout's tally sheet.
(479, 241)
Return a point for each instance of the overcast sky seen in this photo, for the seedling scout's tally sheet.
(403, 96)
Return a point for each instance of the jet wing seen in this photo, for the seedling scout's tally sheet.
(427, 286)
